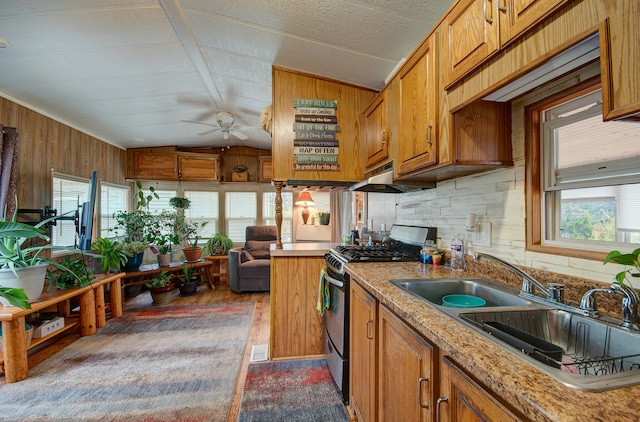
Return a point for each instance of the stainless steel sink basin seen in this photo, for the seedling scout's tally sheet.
(432, 290)
(581, 352)
(596, 354)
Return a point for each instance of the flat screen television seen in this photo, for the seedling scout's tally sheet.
(84, 225)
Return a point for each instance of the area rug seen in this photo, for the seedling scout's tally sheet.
(298, 390)
(175, 363)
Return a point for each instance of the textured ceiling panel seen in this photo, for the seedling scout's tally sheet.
(133, 69)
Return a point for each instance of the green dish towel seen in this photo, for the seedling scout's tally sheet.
(324, 301)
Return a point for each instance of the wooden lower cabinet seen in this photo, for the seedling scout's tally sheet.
(462, 399)
(296, 325)
(407, 377)
(362, 358)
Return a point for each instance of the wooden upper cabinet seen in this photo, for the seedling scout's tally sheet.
(199, 168)
(517, 16)
(471, 36)
(478, 29)
(266, 169)
(376, 126)
(418, 109)
(173, 165)
(462, 399)
(154, 166)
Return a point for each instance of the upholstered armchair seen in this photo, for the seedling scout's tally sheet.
(249, 267)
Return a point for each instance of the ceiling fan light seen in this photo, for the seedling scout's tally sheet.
(225, 135)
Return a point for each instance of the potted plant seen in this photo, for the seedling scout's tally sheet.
(15, 297)
(26, 268)
(180, 202)
(65, 279)
(136, 250)
(630, 259)
(189, 282)
(113, 254)
(219, 244)
(161, 287)
(188, 232)
(164, 245)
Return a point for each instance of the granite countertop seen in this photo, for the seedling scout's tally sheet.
(534, 394)
(303, 249)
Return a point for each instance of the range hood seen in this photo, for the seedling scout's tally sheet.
(381, 180)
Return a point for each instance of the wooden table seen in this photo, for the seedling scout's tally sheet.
(92, 316)
(147, 272)
(220, 262)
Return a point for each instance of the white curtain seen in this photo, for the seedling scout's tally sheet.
(340, 214)
(8, 171)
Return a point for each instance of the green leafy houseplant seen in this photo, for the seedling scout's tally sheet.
(16, 257)
(16, 297)
(629, 259)
(219, 244)
(180, 202)
(135, 247)
(164, 279)
(65, 279)
(113, 253)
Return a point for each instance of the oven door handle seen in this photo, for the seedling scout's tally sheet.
(334, 281)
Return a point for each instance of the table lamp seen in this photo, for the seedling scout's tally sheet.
(305, 200)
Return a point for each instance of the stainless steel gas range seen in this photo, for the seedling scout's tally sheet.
(404, 244)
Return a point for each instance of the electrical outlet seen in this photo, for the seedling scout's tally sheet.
(483, 235)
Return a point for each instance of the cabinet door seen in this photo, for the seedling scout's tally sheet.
(462, 399)
(406, 383)
(266, 170)
(418, 105)
(471, 37)
(376, 138)
(199, 168)
(156, 166)
(516, 16)
(362, 360)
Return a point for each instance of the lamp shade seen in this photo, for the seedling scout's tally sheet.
(305, 200)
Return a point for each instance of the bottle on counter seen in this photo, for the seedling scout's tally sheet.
(457, 253)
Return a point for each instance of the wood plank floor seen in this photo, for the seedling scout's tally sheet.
(259, 333)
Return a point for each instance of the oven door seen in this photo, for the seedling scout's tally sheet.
(335, 317)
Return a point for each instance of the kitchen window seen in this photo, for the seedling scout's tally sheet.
(586, 194)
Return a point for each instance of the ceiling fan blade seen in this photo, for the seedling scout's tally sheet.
(200, 123)
(239, 135)
(247, 128)
(209, 131)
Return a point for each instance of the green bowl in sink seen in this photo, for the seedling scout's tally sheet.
(462, 301)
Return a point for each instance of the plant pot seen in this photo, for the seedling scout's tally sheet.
(132, 290)
(162, 295)
(133, 263)
(191, 254)
(324, 219)
(190, 288)
(164, 259)
(31, 280)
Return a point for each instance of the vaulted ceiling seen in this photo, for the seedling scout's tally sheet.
(130, 72)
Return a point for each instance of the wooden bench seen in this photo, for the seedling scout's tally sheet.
(147, 272)
(92, 316)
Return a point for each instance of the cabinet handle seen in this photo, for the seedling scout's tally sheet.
(369, 335)
(485, 13)
(427, 133)
(503, 9)
(438, 403)
(424, 405)
(383, 132)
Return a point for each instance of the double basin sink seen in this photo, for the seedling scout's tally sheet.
(583, 353)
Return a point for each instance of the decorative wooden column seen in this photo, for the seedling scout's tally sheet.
(278, 186)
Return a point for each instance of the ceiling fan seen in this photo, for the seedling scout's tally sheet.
(225, 125)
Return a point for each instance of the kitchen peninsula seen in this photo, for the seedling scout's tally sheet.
(515, 388)
(296, 325)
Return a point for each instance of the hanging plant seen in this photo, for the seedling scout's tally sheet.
(180, 202)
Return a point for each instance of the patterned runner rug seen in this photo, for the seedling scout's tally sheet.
(298, 390)
(175, 363)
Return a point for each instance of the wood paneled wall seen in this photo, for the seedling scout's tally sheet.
(46, 145)
(352, 102)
